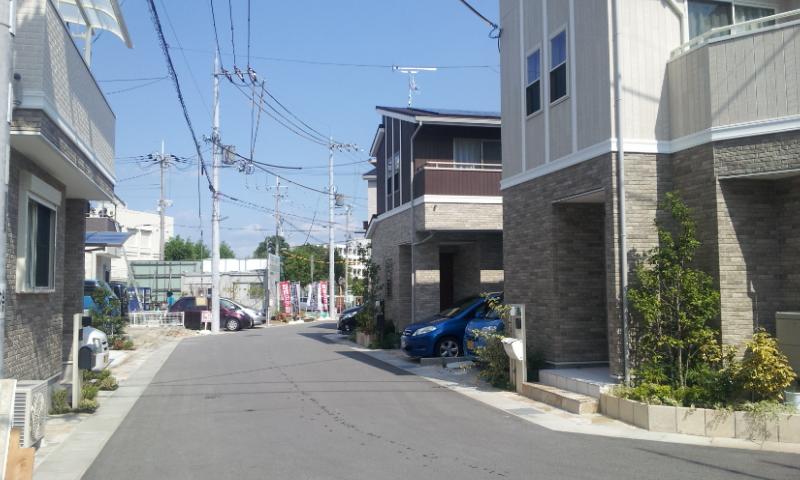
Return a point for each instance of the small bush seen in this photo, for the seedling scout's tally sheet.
(128, 345)
(651, 393)
(59, 404)
(89, 392)
(764, 372)
(493, 360)
(108, 384)
(87, 406)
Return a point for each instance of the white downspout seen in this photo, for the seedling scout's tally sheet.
(623, 241)
(683, 15)
(413, 224)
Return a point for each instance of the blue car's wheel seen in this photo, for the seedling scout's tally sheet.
(448, 347)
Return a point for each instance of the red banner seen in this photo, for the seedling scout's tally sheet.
(286, 297)
(323, 294)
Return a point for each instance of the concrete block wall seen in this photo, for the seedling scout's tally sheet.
(388, 234)
(34, 321)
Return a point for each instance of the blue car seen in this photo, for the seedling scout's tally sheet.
(442, 335)
(490, 323)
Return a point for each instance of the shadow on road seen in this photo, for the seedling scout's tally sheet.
(374, 362)
(320, 337)
(707, 465)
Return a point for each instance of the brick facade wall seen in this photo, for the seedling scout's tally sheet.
(749, 229)
(34, 323)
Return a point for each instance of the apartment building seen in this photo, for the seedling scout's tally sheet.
(694, 96)
(62, 156)
(444, 241)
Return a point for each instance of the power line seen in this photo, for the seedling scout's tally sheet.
(214, 23)
(173, 74)
(233, 42)
(136, 87)
(496, 31)
(143, 79)
(347, 64)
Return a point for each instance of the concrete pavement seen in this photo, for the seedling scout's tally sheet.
(291, 403)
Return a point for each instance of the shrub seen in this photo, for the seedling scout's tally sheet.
(128, 345)
(764, 372)
(59, 402)
(651, 393)
(106, 312)
(365, 320)
(493, 360)
(87, 406)
(108, 384)
(89, 392)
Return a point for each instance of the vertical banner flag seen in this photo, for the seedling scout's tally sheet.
(323, 295)
(286, 297)
(296, 297)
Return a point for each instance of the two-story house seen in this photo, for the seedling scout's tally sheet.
(443, 241)
(699, 97)
(62, 156)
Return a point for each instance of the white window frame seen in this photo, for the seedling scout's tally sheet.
(735, 3)
(528, 83)
(565, 30)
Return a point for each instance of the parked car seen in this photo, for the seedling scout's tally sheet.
(89, 287)
(255, 317)
(347, 319)
(442, 335)
(488, 322)
(192, 309)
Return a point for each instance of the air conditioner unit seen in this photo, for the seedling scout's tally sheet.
(31, 403)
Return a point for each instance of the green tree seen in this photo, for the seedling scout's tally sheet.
(297, 264)
(268, 246)
(178, 248)
(225, 251)
(673, 304)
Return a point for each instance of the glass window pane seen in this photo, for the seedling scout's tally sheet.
(491, 152)
(533, 97)
(466, 151)
(707, 14)
(42, 255)
(558, 83)
(746, 13)
(534, 67)
(558, 49)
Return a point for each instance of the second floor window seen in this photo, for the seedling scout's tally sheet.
(558, 66)
(533, 90)
(472, 151)
(705, 15)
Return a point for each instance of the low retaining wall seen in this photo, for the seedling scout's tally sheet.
(364, 339)
(781, 427)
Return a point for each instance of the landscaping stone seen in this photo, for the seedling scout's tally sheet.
(691, 421)
(789, 428)
(662, 418)
(611, 405)
(720, 423)
(626, 410)
(756, 427)
(641, 415)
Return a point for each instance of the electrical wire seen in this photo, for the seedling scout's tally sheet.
(496, 31)
(233, 35)
(214, 23)
(136, 87)
(176, 82)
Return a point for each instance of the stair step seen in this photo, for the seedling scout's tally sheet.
(572, 402)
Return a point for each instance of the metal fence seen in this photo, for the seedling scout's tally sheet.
(156, 318)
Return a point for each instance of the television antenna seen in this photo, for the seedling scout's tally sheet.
(413, 88)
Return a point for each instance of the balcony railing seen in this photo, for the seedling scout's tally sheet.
(453, 178)
(744, 28)
(748, 77)
(56, 80)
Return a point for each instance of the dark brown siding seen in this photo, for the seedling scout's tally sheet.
(454, 182)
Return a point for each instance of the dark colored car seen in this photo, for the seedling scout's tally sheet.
(442, 335)
(347, 319)
(486, 323)
(192, 309)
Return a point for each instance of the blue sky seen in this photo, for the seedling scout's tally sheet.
(335, 100)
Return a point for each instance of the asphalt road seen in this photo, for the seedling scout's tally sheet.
(285, 403)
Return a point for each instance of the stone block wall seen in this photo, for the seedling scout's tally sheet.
(74, 241)
(34, 321)
(387, 235)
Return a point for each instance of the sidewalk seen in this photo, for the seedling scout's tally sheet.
(73, 441)
(466, 382)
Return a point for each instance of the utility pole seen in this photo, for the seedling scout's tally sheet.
(347, 240)
(162, 204)
(215, 214)
(331, 255)
(6, 60)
